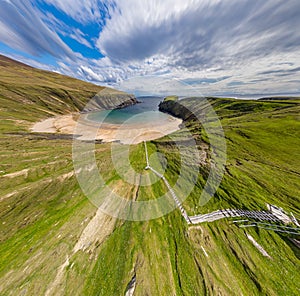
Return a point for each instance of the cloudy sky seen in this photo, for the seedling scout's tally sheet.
(236, 47)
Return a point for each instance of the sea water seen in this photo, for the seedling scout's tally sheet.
(145, 112)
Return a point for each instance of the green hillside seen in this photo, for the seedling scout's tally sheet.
(30, 94)
(54, 242)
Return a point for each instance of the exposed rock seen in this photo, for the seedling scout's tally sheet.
(176, 109)
(110, 99)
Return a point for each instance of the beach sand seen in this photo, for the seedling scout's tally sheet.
(89, 130)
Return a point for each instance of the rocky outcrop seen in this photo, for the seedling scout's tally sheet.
(109, 99)
(191, 109)
(176, 109)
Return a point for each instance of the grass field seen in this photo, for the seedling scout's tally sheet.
(43, 212)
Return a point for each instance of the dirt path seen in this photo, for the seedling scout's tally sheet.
(58, 278)
(97, 230)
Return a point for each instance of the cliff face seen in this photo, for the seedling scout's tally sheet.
(110, 101)
(176, 109)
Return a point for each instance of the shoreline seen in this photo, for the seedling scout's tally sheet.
(90, 130)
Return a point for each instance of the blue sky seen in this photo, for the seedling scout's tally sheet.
(218, 46)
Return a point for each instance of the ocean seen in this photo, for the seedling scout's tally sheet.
(145, 112)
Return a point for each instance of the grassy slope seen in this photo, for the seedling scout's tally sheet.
(42, 94)
(263, 165)
(43, 212)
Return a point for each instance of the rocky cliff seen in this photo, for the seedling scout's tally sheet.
(110, 99)
(176, 109)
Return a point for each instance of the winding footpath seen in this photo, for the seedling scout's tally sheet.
(274, 215)
(179, 205)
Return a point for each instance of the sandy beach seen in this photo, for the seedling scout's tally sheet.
(89, 130)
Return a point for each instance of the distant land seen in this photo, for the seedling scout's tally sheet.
(280, 98)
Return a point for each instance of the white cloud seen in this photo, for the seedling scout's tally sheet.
(22, 28)
(199, 33)
(217, 45)
(185, 38)
(84, 11)
(80, 37)
(65, 30)
(90, 74)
